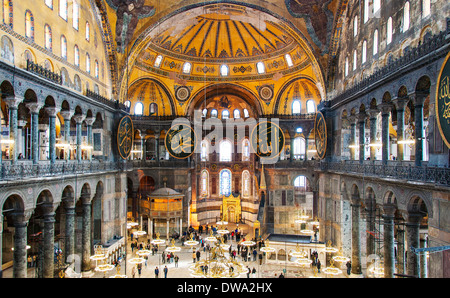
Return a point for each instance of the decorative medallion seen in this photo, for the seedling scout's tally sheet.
(267, 139)
(180, 141)
(266, 93)
(443, 101)
(182, 93)
(125, 136)
(320, 134)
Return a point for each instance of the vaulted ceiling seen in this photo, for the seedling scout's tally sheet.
(208, 33)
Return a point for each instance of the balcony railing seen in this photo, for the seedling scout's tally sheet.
(43, 72)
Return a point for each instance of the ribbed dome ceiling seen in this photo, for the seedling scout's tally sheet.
(223, 36)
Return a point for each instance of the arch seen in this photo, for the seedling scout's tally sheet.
(7, 50)
(389, 198)
(225, 150)
(246, 184)
(204, 189)
(29, 25)
(225, 182)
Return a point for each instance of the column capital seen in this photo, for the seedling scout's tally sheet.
(400, 102)
(385, 108)
(352, 119)
(413, 217)
(389, 210)
(89, 120)
(66, 114)
(78, 118)
(34, 107)
(361, 116)
(51, 111)
(418, 98)
(373, 112)
(12, 101)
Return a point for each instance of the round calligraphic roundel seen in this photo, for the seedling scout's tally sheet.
(443, 101)
(320, 135)
(267, 140)
(180, 141)
(125, 135)
(266, 93)
(182, 93)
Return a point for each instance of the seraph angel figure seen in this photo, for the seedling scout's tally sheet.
(129, 12)
(314, 12)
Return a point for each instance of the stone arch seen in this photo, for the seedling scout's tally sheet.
(389, 198)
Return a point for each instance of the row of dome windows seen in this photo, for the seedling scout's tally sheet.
(426, 11)
(224, 69)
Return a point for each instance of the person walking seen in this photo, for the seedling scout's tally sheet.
(318, 265)
(253, 272)
(166, 270)
(139, 268)
(176, 258)
(193, 257)
(349, 267)
(248, 272)
(133, 271)
(156, 272)
(198, 255)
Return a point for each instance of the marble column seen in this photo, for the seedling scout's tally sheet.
(1, 244)
(143, 146)
(52, 133)
(352, 121)
(400, 104)
(86, 233)
(13, 104)
(419, 99)
(157, 134)
(79, 120)
(373, 113)
(385, 113)
(89, 122)
(66, 116)
(370, 222)
(20, 246)
(69, 207)
(34, 110)
(423, 260)
(412, 239)
(388, 240)
(49, 240)
(362, 135)
(401, 250)
(356, 241)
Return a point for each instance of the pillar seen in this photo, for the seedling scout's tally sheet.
(66, 116)
(69, 207)
(388, 240)
(373, 113)
(13, 104)
(20, 246)
(86, 233)
(362, 135)
(79, 120)
(89, 123)
(34, 110)
(52, 133)
(1, 244)
(143, 146)
(157, 134)
(419, 99)
(423, 260)
(385, 113)
(412, 239)
(356, 241)
(401, 250)
(400, 104)
(167, 228)
(352, 121)
(370, 222)
(49, 241)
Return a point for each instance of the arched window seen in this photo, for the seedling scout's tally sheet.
(204, 151)
(76, 56)
(375, 42)
(76, 14)
(346, 67)
(236, 113)
(29, 25)
(187, 67)
(8, 13)
(260, 67)
(299, 188)
(139, 109)
(366, 11)
(389, 31)
(406, 17)
(225, 182)
(6, 49)
(88, 63)
(245, 150)
(310, 106)
(246, 114)
(296, 108)
(48, 37)
(49, 3)
(376, 6)
(127, 104)
(354, 60)
(245, 184)
(225, 114)
(153, 109)
(96, 68)
(288, 60)
(224, 70)
(63, 9)
(426, 8)
(158, 61)
(300, 181)
(63, 47)
(225, 150)
(214, 113)
(88, 31)
(299, 148)
(204, 183)
(355, 26)
(299, 130)
(364, 52)
(204, 112)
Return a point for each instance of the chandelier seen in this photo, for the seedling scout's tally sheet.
(267, 248)
(329, 248)
(173, 248)
(191, 241)
(143, 252)
(211, 237)
(340, 258)
(331, 269)
(118, 275)
(158, 241)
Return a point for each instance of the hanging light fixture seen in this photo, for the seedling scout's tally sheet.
(331, 270)
(191, 241)
(173, 248)
(267, 247)
(118, 275)
(329, 248)
(340, 258)
(211, 237)
(157, 241)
